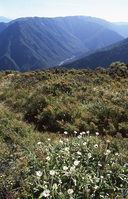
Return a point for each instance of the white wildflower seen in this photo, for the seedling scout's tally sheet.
(89, 155)
(46, 193)
(70, 191)
(79, 153)
(76, 162)
(97, 133)
(72, 169)
(48, 158)
(39, 143)
(95, 145)
(61, 141)
(66, 149)
(107, 152)
(89, 177)
(83, 132)
(95, 187)
(45, 186)
(65, 168)
(39, 173)
(79, 136)
(87, 132)
(108, 175)
(65, 132)
(52, 172)
(60, 182)
(55, 186)
(99, 164)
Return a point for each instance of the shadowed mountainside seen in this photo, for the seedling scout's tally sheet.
(115, 52)
(37, 43)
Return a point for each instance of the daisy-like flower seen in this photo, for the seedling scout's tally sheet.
(107, 152)
(79, 153)
(61, 142)
(60, 182)
(96, 187)
(72, 169)
(47, 158)
(65, 168)
(83, 132)
(70, 191)
(99, 164)
(65, 132)
(79, 136)
(39, 174)
(55, 186)
(117, 154)
(108, 175)
(84, 143)
(52, 172)
(66, 149)
(75, 132)
(87, 132)
(39, 143)
(95, 145)
(89, 177)
(76, 162)
(89, 155)
(97, 133)
(46, 193)
(45, 186)
(108, 141)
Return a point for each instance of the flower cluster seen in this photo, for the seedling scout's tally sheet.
(81, 167)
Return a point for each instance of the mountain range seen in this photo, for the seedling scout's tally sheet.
(103, 57)
(37, 43)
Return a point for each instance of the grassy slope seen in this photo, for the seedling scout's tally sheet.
(39, 105)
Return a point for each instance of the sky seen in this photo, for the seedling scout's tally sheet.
(110, 10)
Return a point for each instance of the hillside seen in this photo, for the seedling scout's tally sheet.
(37, 43)
(3, 26)
(104, 57)
(36, 95)
(100, 39)
(64, 132)
(27, 46)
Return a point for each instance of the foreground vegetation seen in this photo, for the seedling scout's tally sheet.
(64, 133)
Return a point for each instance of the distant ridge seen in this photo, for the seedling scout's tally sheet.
(36, 43)
(4, 19)
(103, 58)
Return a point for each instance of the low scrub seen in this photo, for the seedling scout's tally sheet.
(63, 133)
